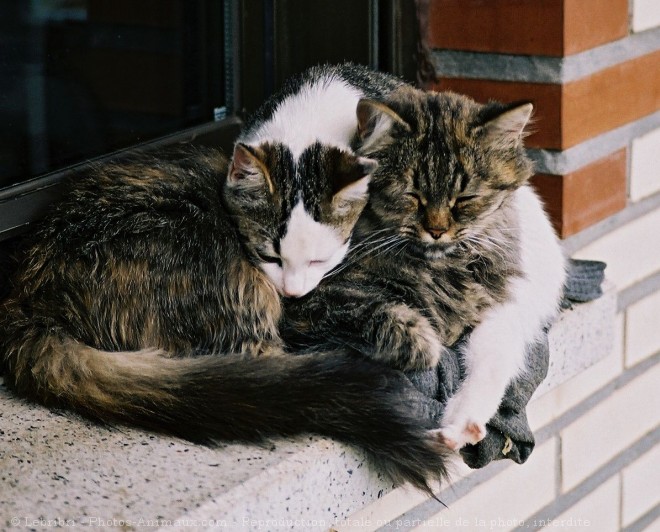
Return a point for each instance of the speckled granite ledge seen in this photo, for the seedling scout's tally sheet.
(59, 470)
(581, 337)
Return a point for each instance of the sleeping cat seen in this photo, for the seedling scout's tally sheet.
(147, 292)
(452, 241)
(304, 131)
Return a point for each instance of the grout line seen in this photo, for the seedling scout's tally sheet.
(594, 481)
(545, 69)
(559, 477)
(560, 162)
(631, 16)
(645, 521)
(552, 428)
(631, 213)
(641, 289)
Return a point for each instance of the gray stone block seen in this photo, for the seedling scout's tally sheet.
(60, 468)
(581, 336)
(544, 69)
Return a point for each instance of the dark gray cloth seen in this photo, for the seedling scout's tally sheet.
(508, 433)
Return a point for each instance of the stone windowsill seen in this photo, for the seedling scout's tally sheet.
(57, 466)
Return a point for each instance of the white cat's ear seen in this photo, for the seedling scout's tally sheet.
(352, 178)
(375, 122)
(507, 129)
(247, 168)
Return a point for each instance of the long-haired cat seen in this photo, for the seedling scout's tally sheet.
(150, 295)
(452, 242)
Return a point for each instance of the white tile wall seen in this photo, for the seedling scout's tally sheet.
(643, 329)
(645, 14)
(645, 163)
(631, 252)
(598, 511)
(612, 426)
(505, 501)
(640, 486)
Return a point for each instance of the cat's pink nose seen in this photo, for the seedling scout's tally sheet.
(293, 290)
(292, 293)
(435, 232)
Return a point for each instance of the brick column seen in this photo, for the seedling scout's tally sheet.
(594, 81)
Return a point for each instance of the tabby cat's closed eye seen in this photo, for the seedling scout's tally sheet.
(462, 200)
(416, 198)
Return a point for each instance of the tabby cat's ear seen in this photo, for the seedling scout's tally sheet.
(507, 128)
(351, 178)
(247, 168)
(375, 122)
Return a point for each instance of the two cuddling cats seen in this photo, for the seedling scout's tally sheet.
(393, 221)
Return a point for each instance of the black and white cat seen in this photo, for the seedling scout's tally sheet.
(305, 131)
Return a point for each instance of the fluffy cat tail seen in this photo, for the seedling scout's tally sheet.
(212, 398)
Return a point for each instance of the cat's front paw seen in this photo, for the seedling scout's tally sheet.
(462, 425)
(457, 436)
(407, 340)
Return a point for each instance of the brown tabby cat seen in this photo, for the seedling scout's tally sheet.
(451, 242)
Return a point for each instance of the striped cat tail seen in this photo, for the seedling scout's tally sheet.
(210, 398)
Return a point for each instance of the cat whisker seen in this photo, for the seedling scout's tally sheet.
(490, 238)
(361, 251)
(391, 247)
(374, 236)
(484, 244)
(478, 245)
(378, 248)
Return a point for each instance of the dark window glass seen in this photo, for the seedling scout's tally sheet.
(283, 37)
(80, 78)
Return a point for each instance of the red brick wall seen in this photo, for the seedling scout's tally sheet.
(574, 108)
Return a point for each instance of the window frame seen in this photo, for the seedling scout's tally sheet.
(390, 49)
